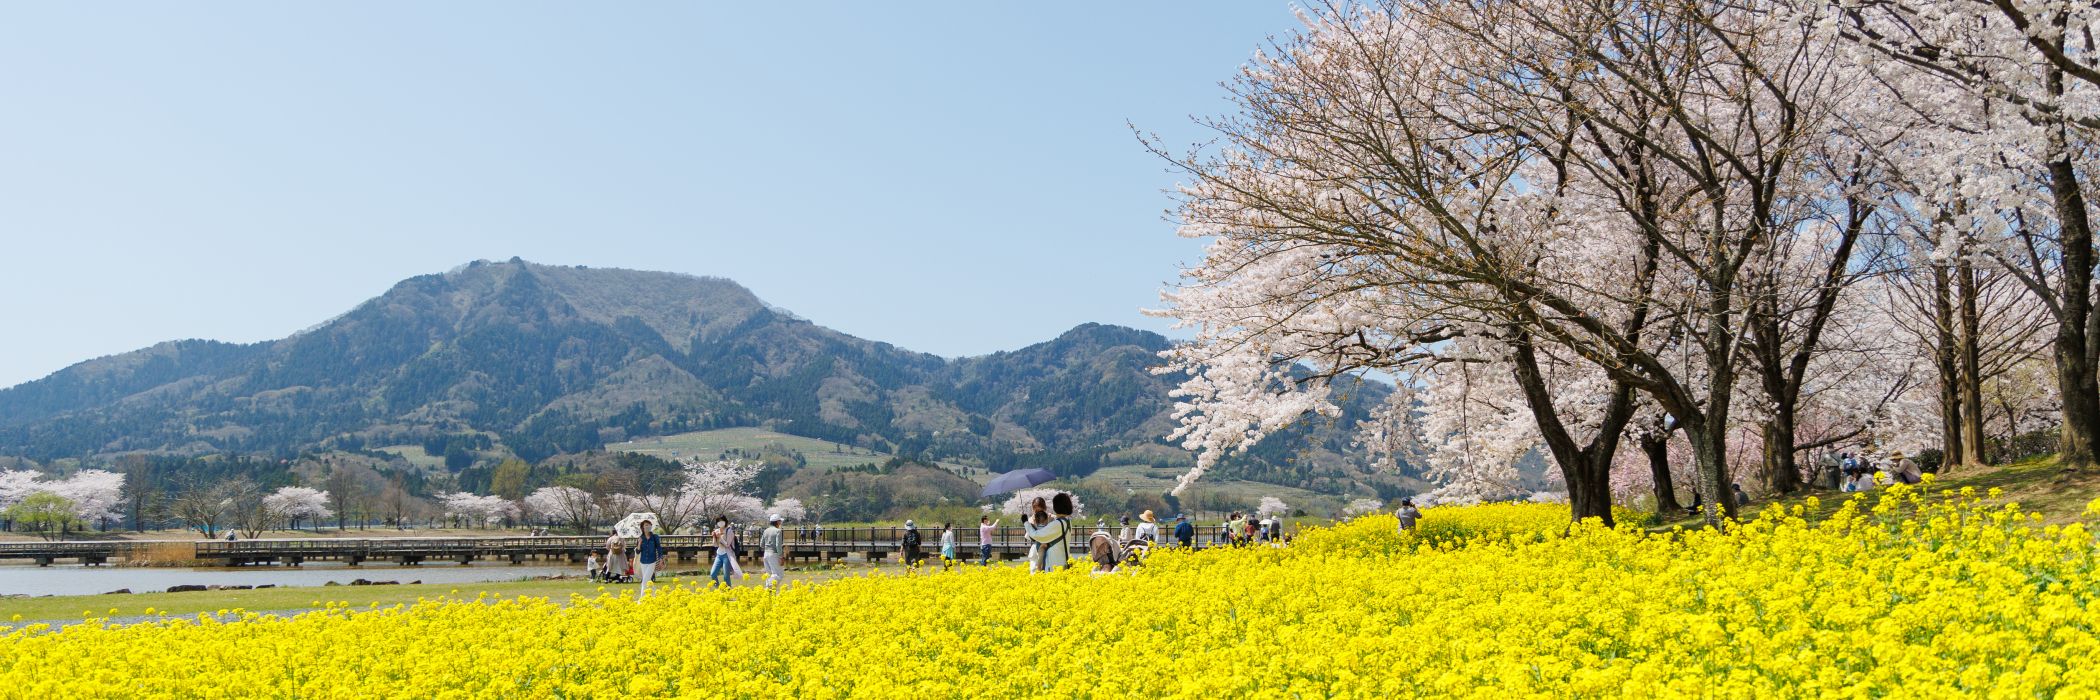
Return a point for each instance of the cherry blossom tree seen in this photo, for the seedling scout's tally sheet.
(789, 509)
(484, 511)
(567, 505)
(15, 484)
(1018, 503)
(290, 504)
(97, 495)
(1992, 109)
(712, 488)
(1400, 176)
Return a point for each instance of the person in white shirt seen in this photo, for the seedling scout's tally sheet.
(1148, 527)
(772, 544)
(986, 529)
(1055, 535)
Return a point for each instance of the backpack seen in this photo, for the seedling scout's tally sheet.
(911, 539)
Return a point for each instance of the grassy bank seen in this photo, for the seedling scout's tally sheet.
(2037, 484)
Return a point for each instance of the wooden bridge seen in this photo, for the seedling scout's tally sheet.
(800, 544)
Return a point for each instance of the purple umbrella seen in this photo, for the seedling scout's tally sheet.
(1017, 480)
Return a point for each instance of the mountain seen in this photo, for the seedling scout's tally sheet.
(539, 360)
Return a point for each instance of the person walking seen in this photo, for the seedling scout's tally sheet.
(773, 547)
(725, 553)
(985, 529)
(590, 566)
(1408, 515)
(649, 550)
(948, 558)
(1184, 531)
(910, 544)
(1148, 528)
(1053, 536)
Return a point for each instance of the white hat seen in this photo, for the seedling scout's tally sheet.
(909, 525)
(773, 517)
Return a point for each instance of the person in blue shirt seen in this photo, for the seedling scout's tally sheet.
(1184, 531)
(651, 549)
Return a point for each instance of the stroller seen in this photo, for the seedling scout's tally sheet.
(1111, 556)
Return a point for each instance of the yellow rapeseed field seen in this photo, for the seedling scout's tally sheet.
(1904, 596)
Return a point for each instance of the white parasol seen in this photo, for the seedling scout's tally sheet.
(631, 526)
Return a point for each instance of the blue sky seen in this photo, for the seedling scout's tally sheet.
(955, 178)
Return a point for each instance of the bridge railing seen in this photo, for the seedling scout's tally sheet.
(795, 537)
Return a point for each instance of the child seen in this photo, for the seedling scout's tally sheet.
(947, 546)
(590, 566)
(1038, 516)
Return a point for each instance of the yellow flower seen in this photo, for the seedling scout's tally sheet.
(1931, 597)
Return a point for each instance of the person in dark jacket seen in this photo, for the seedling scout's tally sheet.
(910, 545)
(650, 550)
(1184, 531)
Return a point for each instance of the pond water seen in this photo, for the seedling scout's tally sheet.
(76, 579)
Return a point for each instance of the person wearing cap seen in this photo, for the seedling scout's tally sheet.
(1407, 514)
(648, 551)
(910, 544)
(770, 543)
(1184, 531)
(1148, 527)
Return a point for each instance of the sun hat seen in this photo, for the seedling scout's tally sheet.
(1147, 517)
(909, 525)
(773, 518)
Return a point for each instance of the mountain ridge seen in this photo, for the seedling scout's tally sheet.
(539, 360)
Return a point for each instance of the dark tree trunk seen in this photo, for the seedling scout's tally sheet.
(1782, 470)
(1585, 468)
(1943, 353)
(1589, 495)
(1657, 447)
(2076, 342)
(1969, 355)
(2074, 363)
(1710, 458)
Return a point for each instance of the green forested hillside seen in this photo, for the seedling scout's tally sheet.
(498, 359)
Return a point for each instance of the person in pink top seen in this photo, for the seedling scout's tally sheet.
(985, 527)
